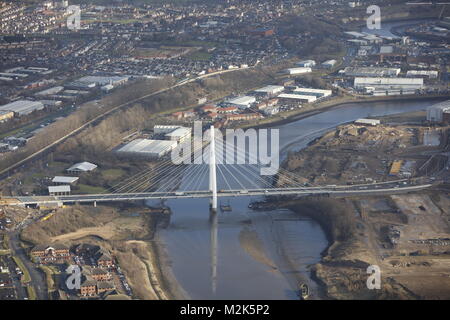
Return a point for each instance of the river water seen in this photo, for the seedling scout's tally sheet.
(260, 255)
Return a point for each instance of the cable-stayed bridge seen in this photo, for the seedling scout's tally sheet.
(215, 180)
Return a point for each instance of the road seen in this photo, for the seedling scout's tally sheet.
(37, 278)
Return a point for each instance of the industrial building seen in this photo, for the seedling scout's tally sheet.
(373, 84)
(371, 72)
(49, 92)
(368, 122)
(59, 190)
(148, 148)
(306, 63)
(82, 167)
(431, 74)
(22, 107)
(298, 97)
(270, 90)
(180, 134)
(439, 112)
(102, 81)
(90, 82)
(162, 129)
(242, 102)
(173, 133)
(318, 93)
(63, 180)
(329, 63)
(299, 70)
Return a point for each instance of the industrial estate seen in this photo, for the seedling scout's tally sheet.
(96, 97)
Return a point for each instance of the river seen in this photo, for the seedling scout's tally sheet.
(260, 255)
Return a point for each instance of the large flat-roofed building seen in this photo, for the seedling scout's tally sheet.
(431, 74)
(299, 70)
(59, 180)
(50, 91)
(329, 63)
(173, 132)
(439, 112)
(298, 97)
(371, 72)
(22, 107)
(180, 134)
(318, 93)
(388, 83)
(270, 90)
(104, 80)
(161, 129)
(90, 82)
(306, 63)
(148, 148)
(59, 190)
(242, 102)
(82, 167)
(367, 122)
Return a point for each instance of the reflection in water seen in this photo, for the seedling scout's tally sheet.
(213, 218)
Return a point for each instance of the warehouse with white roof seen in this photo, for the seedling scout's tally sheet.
(299, 70)
(58, 180)
(306, 63)
(59, 190)
(299, 97)
(371, 72)
(388, 83)
(148, 148)
(318, 93)
(22, 107)
(270, 90)
(242, 102)
(82, 167)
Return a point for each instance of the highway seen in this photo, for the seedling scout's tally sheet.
(335, 191)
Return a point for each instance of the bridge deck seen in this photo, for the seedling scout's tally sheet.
(334, 191)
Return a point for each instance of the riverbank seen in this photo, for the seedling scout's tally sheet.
(335, 103)
(165, 281)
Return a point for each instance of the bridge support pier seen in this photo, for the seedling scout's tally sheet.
(212, 172)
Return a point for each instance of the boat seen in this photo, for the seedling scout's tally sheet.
(304, 291)
(225, 207)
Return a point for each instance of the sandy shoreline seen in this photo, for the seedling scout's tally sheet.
(169, 287)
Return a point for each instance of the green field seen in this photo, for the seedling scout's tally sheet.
(85, 189)
(112, 174)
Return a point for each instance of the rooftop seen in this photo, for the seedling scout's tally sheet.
(62, 179)
(83, 166)
(52, 189)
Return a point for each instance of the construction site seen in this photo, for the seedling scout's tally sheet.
(357, 153)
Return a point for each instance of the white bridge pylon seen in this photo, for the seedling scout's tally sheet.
(212, 171)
